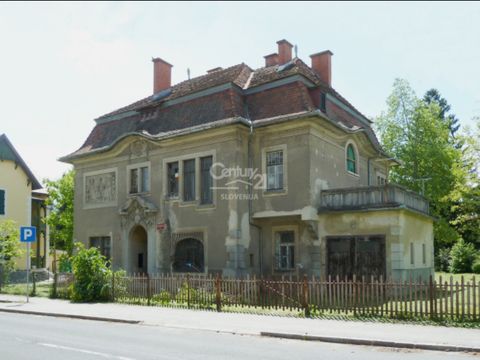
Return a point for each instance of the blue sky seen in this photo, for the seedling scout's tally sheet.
(62, 65)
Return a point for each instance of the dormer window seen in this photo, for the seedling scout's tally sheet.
(351, 159)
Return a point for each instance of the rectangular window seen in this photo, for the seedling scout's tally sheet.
(412, 254)
(172, 181)
(139, 180)
(275, 170)
(381, 180)
(424, 254)
(144, 179)
(102, 243)
(189, 180)
(206, 180)
(133, 181)
(286, 250)
(2, 202)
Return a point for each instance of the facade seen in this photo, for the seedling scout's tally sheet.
(242, 171)
(22, 200)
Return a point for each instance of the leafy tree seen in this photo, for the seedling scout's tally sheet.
(9, 248)
(60, 219)
(414, 132)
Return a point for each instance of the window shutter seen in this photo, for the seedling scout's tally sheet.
(2, 202)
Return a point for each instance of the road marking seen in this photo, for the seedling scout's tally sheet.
(84, 351)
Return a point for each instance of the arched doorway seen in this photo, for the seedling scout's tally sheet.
(189, 256)
(138, 250)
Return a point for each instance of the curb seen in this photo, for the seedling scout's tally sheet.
(69, 316)
(382, 343)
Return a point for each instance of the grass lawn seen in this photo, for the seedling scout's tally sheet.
(456, 277)
(42, 289)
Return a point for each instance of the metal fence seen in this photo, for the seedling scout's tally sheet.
(366, 296)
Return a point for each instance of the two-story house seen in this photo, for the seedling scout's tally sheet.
(241, 171)
(22, 200)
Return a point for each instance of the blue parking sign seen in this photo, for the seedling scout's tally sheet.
(28, 233)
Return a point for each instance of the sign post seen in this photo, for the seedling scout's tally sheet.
(28, 234)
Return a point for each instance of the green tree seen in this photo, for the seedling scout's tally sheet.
(414, 132)
(433, 96)
(9, 248)
(60, 218)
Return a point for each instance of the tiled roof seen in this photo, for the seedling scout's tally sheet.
(150, 115)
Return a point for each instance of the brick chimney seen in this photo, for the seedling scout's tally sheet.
(162, 75)
(284, 51)
(271, 59)
(322, 65)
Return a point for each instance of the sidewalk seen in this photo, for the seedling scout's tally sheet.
(396, 335)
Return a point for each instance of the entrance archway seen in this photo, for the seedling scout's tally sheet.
(189, 256)
(138, 250)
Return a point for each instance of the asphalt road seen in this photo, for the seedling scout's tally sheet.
(36, 337)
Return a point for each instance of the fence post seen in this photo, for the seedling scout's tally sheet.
(113, 286)
(149, 290)
(218, 292)
(305, 296)
(188, 291)
(55, 285)
(430, 285)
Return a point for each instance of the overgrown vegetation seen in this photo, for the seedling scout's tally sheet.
(9, 249)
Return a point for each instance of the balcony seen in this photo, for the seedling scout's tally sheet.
(372, 197)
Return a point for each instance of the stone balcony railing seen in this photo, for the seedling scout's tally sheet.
(372, 197)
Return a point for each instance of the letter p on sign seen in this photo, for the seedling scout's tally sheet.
(28, 233)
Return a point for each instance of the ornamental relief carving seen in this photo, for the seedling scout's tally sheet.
(136, 214)
(100, 188)
(138, 149)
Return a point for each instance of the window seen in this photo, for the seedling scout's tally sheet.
(275, 170)
(139, 180)
(351, 159)
(424, 254)
(412, 254)
(189, 180)
(286, 250)
(3, 209)
(188, 256)
(206, 195)
(172, 181)
(381, 180)
(102, 243)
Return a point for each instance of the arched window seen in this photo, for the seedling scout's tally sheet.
(351, 159)
(188, 256)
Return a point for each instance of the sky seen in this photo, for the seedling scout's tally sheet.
(64, 64)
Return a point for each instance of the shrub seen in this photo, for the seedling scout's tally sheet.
(163, 298)
(64, 264)
(442, 260)
(92, 275)
(9, 249)
(462, 256)
(476, 265)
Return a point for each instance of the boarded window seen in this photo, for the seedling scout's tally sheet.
(356, 255)
(189, 180)
(2, 202)
(275, 170)
(173, 175)
(206, 195)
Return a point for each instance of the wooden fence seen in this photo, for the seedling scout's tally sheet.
(442, 299)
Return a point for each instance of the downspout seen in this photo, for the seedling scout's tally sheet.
(250, 196)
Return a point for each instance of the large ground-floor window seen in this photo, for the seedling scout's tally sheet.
(102, 243)
(189, 256)
(356, 255)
